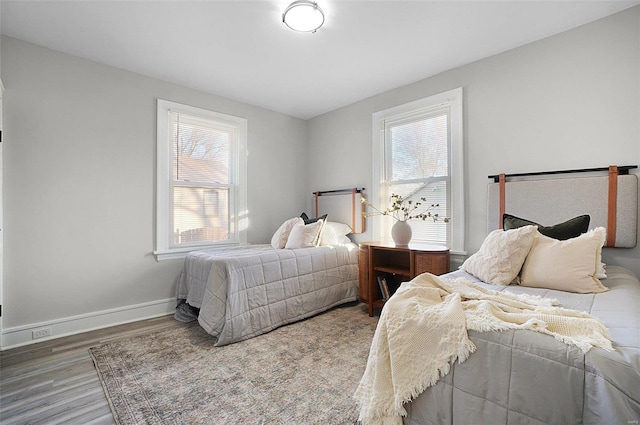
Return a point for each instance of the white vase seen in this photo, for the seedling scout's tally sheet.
(401, 233)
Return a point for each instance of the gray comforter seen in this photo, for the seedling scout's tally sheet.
(249, 290)
(525, 377)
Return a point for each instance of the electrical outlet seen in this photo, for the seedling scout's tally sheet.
(40, 333)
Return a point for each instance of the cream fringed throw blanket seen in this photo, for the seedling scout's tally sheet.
(423, 328)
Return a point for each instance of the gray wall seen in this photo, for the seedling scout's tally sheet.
(79, 156)
(79, 182)
(568, 101)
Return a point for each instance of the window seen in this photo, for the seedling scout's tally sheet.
(201, 195)
(418, 152)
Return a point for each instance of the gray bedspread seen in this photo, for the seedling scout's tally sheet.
(525, 377)
(249, 290)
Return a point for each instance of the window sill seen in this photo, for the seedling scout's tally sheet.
(178, 253)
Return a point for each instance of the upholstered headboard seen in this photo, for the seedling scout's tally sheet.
(342, 205)
(553, 200)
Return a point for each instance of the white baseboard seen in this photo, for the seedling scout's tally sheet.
(23, 335)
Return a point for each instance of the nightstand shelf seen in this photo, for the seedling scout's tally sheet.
(392, 270)
(397, 264)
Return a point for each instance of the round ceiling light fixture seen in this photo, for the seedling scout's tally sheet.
(303, 15)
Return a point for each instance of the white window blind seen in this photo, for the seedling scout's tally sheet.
(417, 166)
(201, 178)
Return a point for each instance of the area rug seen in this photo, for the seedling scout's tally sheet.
(303, 373)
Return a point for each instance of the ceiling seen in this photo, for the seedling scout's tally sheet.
(243, 51)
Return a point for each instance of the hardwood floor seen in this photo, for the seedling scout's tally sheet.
(55, 382)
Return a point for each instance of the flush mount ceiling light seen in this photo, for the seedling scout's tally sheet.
(303, 15)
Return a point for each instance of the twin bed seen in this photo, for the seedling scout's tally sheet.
(238, 293)
(524, 375)
(310, 266)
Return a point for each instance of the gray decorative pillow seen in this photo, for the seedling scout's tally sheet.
(561, 231)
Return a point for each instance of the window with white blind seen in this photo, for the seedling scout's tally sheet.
(418, 154)
(201, 183)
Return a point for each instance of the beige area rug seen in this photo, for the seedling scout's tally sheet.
(303, 373)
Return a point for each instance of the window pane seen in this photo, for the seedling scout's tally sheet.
(200, 214)
(435, 192)
(200, 150)
(419, 149)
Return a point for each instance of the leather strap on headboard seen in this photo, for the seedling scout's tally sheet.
(354, 191)
(612, 205)
(316, 195)
(502, 179)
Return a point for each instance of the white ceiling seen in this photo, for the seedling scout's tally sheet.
(243, 51)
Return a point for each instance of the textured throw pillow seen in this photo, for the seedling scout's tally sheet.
(500, 258)
(304, 235)
(561, 231)
(279, 238)
(334, 233)
(570, 265)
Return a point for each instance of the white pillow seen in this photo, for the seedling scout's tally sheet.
(334, 233)
(500, 258)
(304, 235)
(571, 265)
(279, 238)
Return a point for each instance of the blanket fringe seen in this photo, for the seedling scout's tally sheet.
(465, 351)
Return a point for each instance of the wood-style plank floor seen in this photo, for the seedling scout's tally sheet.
(55, 382)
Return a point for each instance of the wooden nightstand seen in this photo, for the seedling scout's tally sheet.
(397, 264)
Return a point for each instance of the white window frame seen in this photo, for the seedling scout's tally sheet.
(453, 99)
(238, 190)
